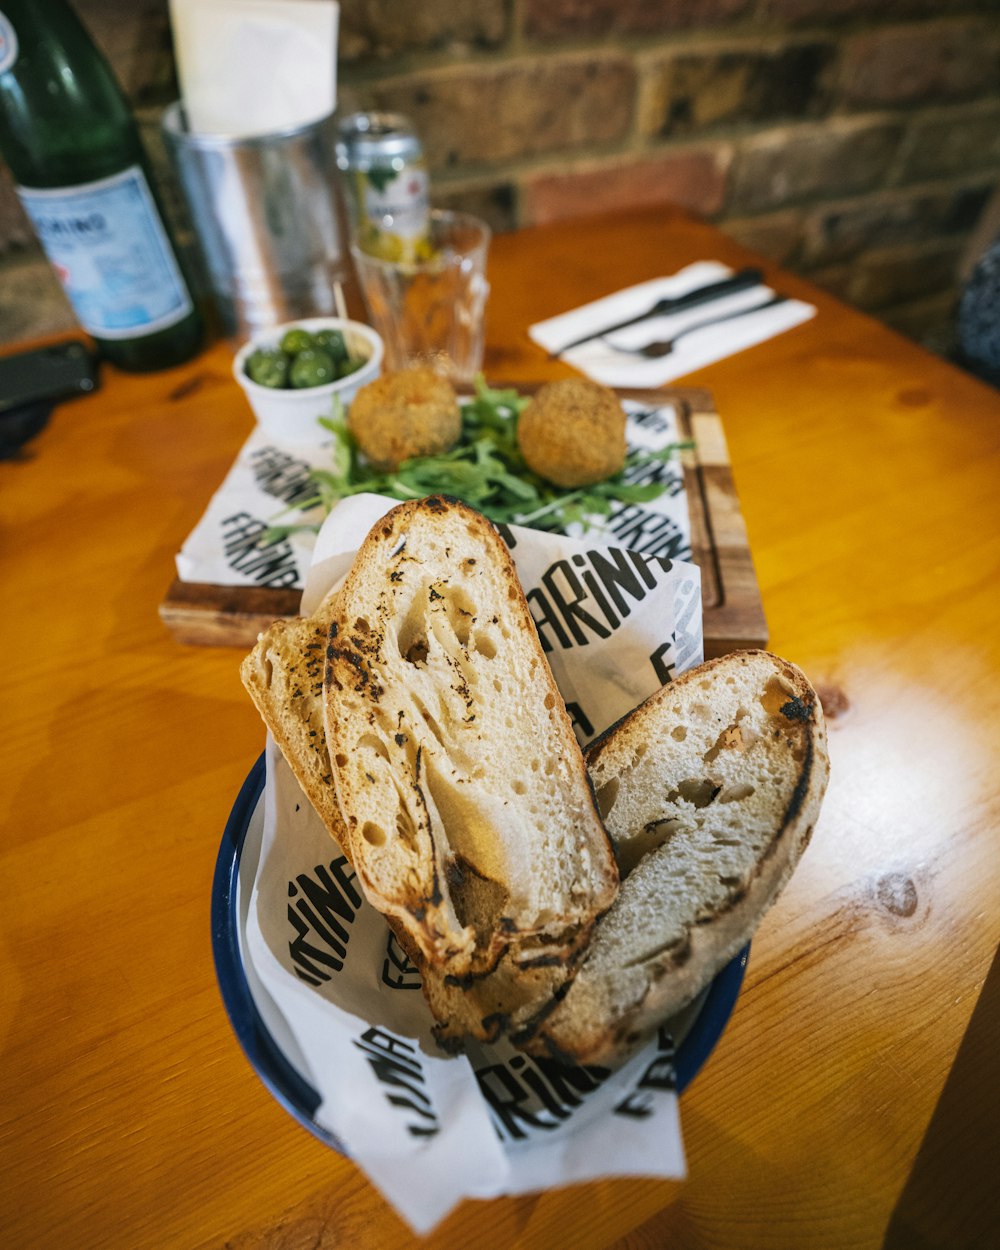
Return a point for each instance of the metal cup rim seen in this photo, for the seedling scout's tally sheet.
(174, 126)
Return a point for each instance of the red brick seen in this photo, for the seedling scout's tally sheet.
(573, 19)
(375, 29)
(883, 278)
(776, 236)
(15, 229)
(495, 202)
(689, 91)
(31, 300)
(136, 38)
(487, 114)
(694, 179)
(794, 164)
(829, 12)
(919, 64)
(841, 231)
(960, 141)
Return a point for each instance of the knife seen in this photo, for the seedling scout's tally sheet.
(740, 281)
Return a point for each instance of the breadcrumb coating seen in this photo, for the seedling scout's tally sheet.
(413, 412)
(573, 433)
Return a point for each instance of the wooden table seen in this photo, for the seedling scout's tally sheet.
(853, 1099)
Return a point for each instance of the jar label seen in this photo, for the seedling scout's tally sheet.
(8, 44)
(109, 249)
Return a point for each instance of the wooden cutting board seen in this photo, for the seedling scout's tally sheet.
(233, 616)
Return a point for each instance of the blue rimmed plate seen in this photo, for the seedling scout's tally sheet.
(272, 1050)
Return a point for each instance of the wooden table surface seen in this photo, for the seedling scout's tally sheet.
(853, 1099)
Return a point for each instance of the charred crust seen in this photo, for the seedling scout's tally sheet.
(801, 789)
(797, 709)
(355, 661)
(449, 1044)
(460, 982)
(436, 897)
(494, 1024)
(543, 961)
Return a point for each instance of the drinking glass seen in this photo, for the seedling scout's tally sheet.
(432, 311)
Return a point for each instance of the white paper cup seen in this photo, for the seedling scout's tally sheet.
(292, 416)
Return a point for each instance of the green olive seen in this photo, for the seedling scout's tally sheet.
(352, 365)
(267, 367)
(332, 341)
(296, 340)
(312, 367)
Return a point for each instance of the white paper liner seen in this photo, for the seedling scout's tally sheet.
(599, 360)
(429, 1130)
(267, 481)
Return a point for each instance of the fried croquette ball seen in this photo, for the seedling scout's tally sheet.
(413, 412)
(573, 433)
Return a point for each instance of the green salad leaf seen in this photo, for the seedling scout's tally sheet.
(485, 469)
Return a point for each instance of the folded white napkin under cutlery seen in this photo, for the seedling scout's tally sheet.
(719, 326)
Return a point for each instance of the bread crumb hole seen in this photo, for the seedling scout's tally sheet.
(679, 733)
(497, 685)
(416, 654)
(519, 787)
(550, 701)
(362, 626)
(373, 834)
(340, 760)
(376, 745)
(406, 829)
(734, 793)
(698, 791)
(630, 851)
(606, 796)
(485, 645)
(776, 694)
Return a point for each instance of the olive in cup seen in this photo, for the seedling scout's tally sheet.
(302, 359)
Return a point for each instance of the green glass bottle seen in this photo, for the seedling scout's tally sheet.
(69, 137)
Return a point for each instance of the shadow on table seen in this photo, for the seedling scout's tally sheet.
(952, 1198)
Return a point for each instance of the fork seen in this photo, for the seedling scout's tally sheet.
(663, 347)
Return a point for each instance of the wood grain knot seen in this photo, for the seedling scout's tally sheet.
(897, 893)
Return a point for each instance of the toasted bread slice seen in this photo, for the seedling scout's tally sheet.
(283, 674)
(710, 790)
(469, 815)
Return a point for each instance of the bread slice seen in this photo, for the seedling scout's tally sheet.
(283, 674)
(469, 816)
(710, 790)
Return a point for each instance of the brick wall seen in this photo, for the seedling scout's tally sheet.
(856, 141)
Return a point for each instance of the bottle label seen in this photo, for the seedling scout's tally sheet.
(109, 249)
(8, 44)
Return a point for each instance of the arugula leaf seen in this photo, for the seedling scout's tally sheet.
(485, 468)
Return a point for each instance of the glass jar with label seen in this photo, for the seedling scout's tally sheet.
(387, 187)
